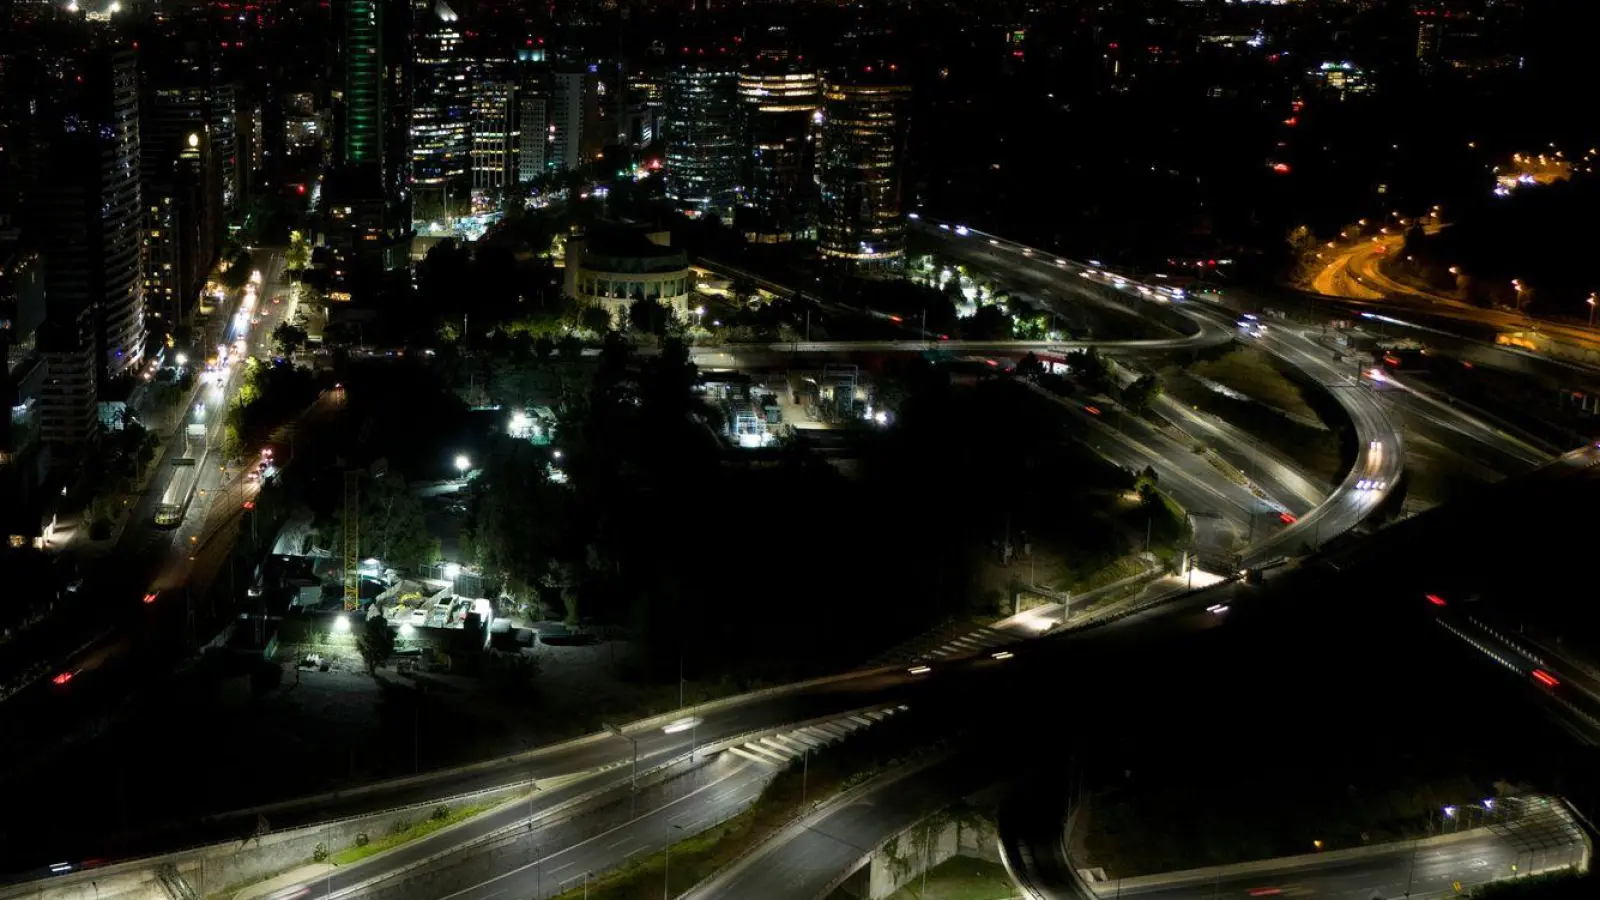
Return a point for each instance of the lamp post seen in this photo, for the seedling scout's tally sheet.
(666, 872)
(1591, 301)
(463, 464)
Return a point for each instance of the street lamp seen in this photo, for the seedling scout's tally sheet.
(1591, 302)
(666, 871)
(463, 464)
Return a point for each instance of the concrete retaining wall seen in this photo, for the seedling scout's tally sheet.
(903, 858)
(219, 869)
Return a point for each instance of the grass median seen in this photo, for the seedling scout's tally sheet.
(441, 817)
(831, 771)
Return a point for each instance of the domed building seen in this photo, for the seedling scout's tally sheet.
(613, 265)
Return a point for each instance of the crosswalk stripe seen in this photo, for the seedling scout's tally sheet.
(739, 751)
(768, 754)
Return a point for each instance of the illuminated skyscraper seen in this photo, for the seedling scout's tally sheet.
(860, 167)
(495, 134)
(366, 197)
(363, 83)
(440, 104)
(90, 211)
(702, 142)
(778, 102)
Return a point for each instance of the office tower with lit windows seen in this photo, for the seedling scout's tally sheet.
(496, 137)
(701, 134)
(778, 105)
(440, 110)
(860, 168)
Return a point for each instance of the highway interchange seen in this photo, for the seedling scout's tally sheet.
(729, 781)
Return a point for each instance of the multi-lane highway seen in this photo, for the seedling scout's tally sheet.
(656, 744)
(1353, 273)
(1528, 835)
(1379, 457)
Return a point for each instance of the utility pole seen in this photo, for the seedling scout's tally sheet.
(352, 538)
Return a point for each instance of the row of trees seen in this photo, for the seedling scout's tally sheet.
(269, 395)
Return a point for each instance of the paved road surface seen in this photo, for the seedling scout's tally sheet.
(805, 859)
(1378, 461)
(1352, 273)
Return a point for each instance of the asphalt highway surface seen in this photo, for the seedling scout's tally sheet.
(1538, 836)
(807, 858)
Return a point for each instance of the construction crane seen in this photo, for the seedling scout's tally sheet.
(352, 539)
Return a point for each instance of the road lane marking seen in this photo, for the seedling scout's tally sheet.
(523, 868)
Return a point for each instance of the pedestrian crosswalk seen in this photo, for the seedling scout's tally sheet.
(985, 638)
(779, 750)
(948, 644)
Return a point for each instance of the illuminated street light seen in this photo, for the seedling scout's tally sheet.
(342, 624)
(452, 571)
(408, 630)
(463, 463)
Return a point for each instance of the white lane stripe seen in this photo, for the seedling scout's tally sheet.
(523, 868)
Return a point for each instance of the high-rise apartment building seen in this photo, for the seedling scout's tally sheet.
(533, 147)
(182, 209)
(702, 144)
(441, 106)
(778, 106)
(860, 168)
(89, 211)
(69, 396)
(183, 172)
(574, 103)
